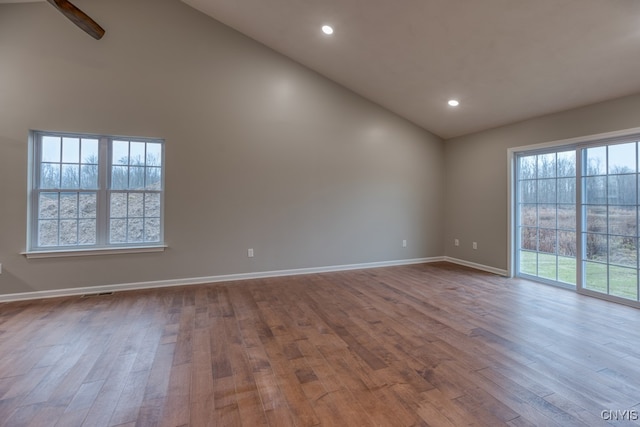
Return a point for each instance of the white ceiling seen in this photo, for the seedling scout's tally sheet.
(505, 60)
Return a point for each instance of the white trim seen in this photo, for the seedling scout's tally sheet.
(476, 266)
(577, 140)
(209, 279)
(511, 197)
(92, 252)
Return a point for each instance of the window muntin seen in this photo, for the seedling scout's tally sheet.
(92, 191)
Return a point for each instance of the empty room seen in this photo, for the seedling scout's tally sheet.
(315, 213)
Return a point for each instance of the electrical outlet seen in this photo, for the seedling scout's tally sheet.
(456, 242)
(250, 253)
(475, 245)
(404, 243)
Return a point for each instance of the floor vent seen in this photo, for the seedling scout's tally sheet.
(99, 294)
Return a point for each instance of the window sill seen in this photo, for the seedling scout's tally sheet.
(91, 252)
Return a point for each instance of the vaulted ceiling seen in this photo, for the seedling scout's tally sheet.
(504, 60)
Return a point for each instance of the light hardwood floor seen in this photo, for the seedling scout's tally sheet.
(432, 344)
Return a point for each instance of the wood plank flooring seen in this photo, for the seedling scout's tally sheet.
(422, 345)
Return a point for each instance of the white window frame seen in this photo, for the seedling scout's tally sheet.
(103, 196)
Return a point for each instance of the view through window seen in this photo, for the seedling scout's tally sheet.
(95, 192)
(589, 241)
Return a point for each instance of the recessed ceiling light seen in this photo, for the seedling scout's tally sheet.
(453, 102)
(328, 30)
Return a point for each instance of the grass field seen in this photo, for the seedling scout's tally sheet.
(623, 282)
(564, 271)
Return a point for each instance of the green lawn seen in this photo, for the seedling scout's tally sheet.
(564, 271)
(623, 282)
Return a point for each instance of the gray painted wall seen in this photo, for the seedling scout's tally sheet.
(477, 178)
(260, 151)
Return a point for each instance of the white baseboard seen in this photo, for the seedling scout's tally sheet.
(476, 266)
(210, 279)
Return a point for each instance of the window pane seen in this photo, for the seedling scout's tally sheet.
(547, 266)
(596, 161)
(49, 175)
(547, 165)
(567, 190)
(152, 230)
(87, 205)
(118, 205)
(622, 158)
(528, 215)
(547, 241)
(136, 178)
(50, 149)
(118, 231)
(48, 206)
(567, 217)
(70, 176)
(153, 178)
(596, 277)
(137, 153)
(71, 150)
(136, 205)
(623, 251)
(47, 233)
(120, 150)
(68, 232)
(622, 190)
(529, 238)
(623, 282)
(136, 229)
(119, 177)
(89, 151)
(596, 245)
(89, 176)
(87, 232)
(529, 263)
(68, 205)
(154, 154)
(152, 205)
(595, 190)
(597, 219)
(547, 216)
(528, 191)
(547, 191)
(567, 244)
(566, 163)
(567, 270)
(623, 220)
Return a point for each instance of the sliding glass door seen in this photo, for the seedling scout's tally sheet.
(546, 213)
(576, 221)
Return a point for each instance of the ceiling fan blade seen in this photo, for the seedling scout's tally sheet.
(79, 18)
